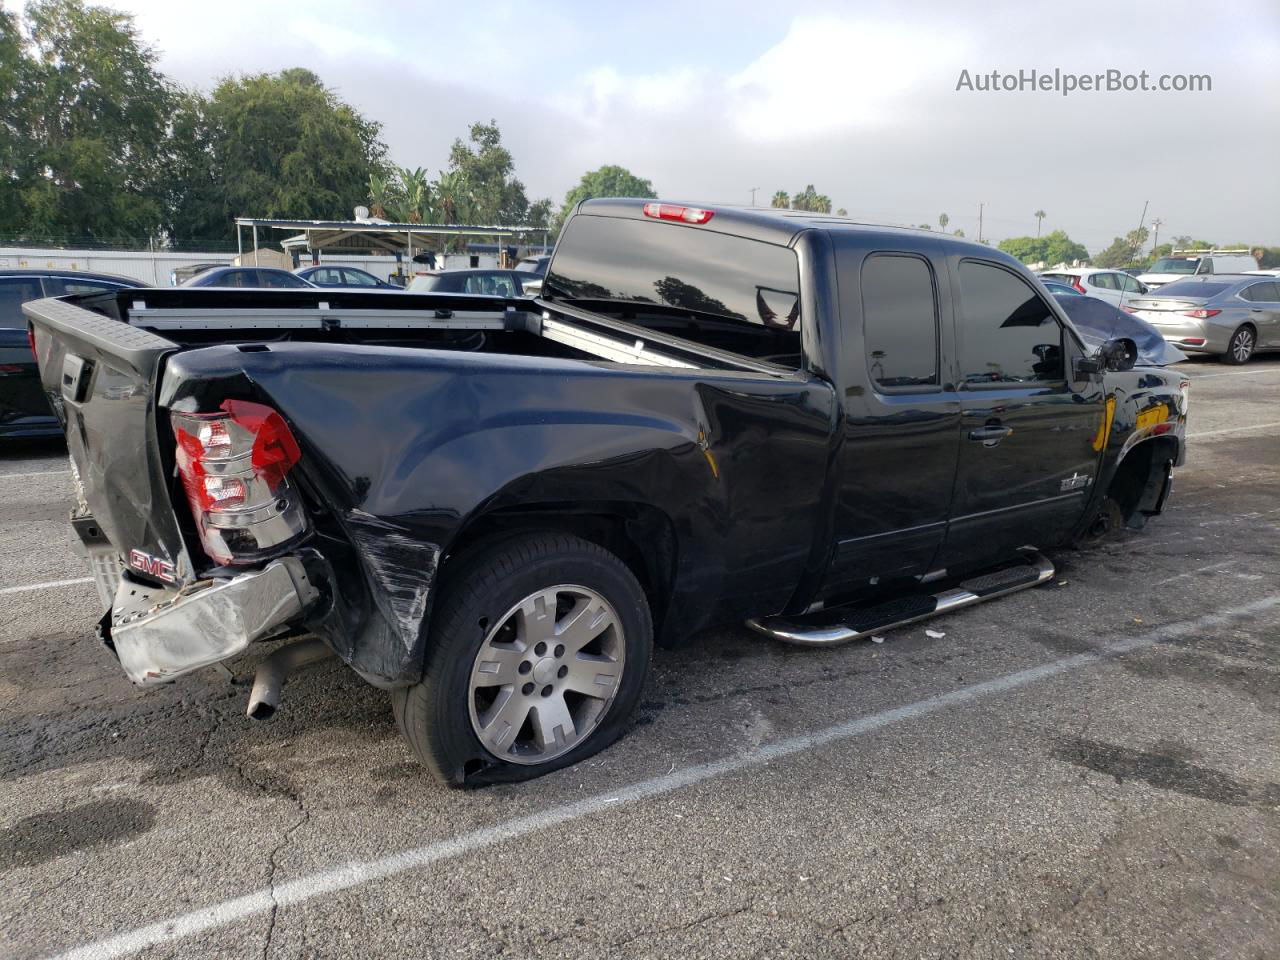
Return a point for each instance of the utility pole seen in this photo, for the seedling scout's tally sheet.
(980, 206)
(753, 195)
(1156, 224)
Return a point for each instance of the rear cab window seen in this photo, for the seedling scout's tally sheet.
(900, 322)
(719, 290)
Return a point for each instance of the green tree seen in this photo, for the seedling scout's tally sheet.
(810, 200)
(85, 111)
(269, 145)
(1039, 215)
(959, 232)
(943, 220)
(1124, 251)
(842, 212)
(781, 200)
(1059, 248)
(487, 176)
(607, 181)
(1052, 248)
(1026, 249)
(12, 73)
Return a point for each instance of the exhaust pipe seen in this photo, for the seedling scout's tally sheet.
(273, 671)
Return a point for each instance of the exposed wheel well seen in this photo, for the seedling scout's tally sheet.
(1139, 479)
(640, 536)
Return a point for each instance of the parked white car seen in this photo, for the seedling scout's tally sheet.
(1187, 263)
(1114, 286)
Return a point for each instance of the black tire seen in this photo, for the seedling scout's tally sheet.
(1241, 346)
(1105, 525)
(435, 715)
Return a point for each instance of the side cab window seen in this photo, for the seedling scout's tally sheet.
(1008, 335)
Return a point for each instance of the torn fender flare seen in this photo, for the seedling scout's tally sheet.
(161, 633)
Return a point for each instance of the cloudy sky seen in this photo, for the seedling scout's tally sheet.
(710, 99)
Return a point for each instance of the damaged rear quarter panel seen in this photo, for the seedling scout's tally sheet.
(403, 447)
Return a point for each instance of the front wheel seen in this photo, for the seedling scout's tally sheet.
(1241, 345)
(536, 658)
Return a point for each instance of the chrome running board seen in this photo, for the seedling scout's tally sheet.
(836, 625)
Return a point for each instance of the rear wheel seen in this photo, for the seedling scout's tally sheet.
(537, 656)
(1241, 345)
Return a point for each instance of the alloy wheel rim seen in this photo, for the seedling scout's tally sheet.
(546, 674)
(1244, 345)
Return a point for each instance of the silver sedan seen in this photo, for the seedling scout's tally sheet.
(1231, 315)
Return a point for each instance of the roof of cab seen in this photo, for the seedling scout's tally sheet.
(773, 225)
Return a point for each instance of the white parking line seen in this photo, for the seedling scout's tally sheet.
(359, 872)
(38, 473)
(45, 586)
(1214, 433)
(1229, 373)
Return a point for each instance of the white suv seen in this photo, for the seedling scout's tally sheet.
(1186, 263)
(1113, 286)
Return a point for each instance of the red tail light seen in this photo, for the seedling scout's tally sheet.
(1193, 341)
(234, 467)
(1075, 282)
(1201, 314)
(672, 211)
(31, 339)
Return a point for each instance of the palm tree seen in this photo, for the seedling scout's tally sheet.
(379, 192)
(780, 200)
(943, 220)
(415, 190)
(451, 197)
(1039, 215)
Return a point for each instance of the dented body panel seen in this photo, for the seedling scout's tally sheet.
(733, 462)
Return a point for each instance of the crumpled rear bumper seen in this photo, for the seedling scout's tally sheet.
(159, 634)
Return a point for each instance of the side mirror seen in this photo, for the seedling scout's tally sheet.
(1118, 355)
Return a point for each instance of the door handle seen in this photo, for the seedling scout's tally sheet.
(990, 435)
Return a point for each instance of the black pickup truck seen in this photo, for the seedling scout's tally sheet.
(494, 507)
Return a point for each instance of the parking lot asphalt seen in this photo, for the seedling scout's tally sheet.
(1087, 769)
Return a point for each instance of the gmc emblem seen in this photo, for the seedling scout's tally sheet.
(152, 566)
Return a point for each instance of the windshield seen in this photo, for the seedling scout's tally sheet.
(1175, 265)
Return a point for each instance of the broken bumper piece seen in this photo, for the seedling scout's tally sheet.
(159, 634)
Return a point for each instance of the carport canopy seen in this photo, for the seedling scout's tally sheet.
(371, 235)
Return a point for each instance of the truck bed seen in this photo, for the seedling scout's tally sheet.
(193, 317)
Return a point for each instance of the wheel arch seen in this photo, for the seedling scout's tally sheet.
(1138, 482)
(641, 535)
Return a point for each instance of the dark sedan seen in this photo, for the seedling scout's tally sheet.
(492, 283)
(24, 411)
(351, 277)
(256, 278)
